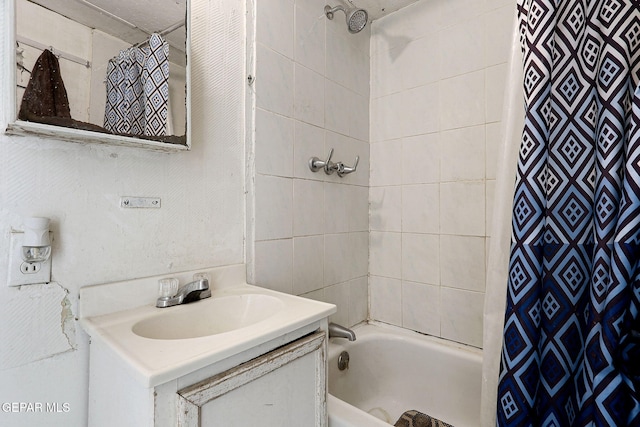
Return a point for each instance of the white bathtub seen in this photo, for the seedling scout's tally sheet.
(392, 370)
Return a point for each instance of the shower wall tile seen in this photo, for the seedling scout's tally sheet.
(275, 25)
(308, 207)
(308, 98)
(384, 155)
(274, 264)
(337, 268)
(462, 154)
(336, 207)
(418, 62)
(385, 297)
(338, 294)
(494, 86)
(359, 256)
(274, 87)
(386, 117)
(419, 111)
(493, 133)
(498, 32)
(347, 53)
(385, 254)
(454, 12)
(489, 203)
(385, 213)
(466, 221)
(309, 48)
(359, 120)
(461, 315)
(421, 258)
(495, 4)
(315, 295)
(308, 264)
(410, 23)
(345, 150)
(421, 208)
(385, 69)
(274, 207)
(312, 94)
(421, 159)
(444, 61)
(274, 144)
(462, 262)
(336, 112)
(408, 65)
(358, 300)
(358, 208)
(423, 317)
(309, 141)
(462, 101)
(461, 48)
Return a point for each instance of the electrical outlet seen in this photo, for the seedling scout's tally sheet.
(25, 273)
(30, 267)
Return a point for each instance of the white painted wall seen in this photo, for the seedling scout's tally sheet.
(309, 231)
(44, 353)
(438, 69)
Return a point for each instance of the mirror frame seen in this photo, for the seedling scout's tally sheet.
(8, 104)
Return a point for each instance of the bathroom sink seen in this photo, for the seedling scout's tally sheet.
(208, 317)
(158, 345)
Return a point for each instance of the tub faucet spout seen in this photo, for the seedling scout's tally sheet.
(338, 331)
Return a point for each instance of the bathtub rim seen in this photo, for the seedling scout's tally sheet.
(373, 327)
(352, 416)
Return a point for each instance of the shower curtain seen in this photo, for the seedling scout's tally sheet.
(138, 89)
(571, 347)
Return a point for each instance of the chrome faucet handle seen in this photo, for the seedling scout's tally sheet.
(345, 170)
(315, 164)
(329, 166)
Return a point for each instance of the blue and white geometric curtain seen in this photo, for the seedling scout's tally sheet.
(571, 352)
(138, 89)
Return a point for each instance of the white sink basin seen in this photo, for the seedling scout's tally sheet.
(220, 315)
(157, 345)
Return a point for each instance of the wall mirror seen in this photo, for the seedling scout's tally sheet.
(106, 71)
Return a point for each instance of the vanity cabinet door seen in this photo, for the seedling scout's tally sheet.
(285, 387)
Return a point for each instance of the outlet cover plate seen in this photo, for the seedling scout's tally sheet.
(16, 277)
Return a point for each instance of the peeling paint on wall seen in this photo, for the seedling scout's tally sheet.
(67, 320)
(38, 324)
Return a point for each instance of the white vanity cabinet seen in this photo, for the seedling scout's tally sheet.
(285, 387)
(263, 365)
(273, 385)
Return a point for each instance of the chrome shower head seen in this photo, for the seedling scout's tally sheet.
(356, 17)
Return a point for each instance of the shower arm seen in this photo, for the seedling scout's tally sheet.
(329, 11)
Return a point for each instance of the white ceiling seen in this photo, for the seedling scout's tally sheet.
(129, 20)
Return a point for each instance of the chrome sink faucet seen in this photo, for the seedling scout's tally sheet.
(337, 331)
(196, 290)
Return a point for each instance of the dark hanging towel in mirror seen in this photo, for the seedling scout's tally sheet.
(45, 98)
(45, 95)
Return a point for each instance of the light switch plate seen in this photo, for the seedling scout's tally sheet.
(25, 273)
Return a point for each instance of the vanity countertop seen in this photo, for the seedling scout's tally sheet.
(156, 361)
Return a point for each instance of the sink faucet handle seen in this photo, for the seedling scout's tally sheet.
(167, 287)
(201, 276)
